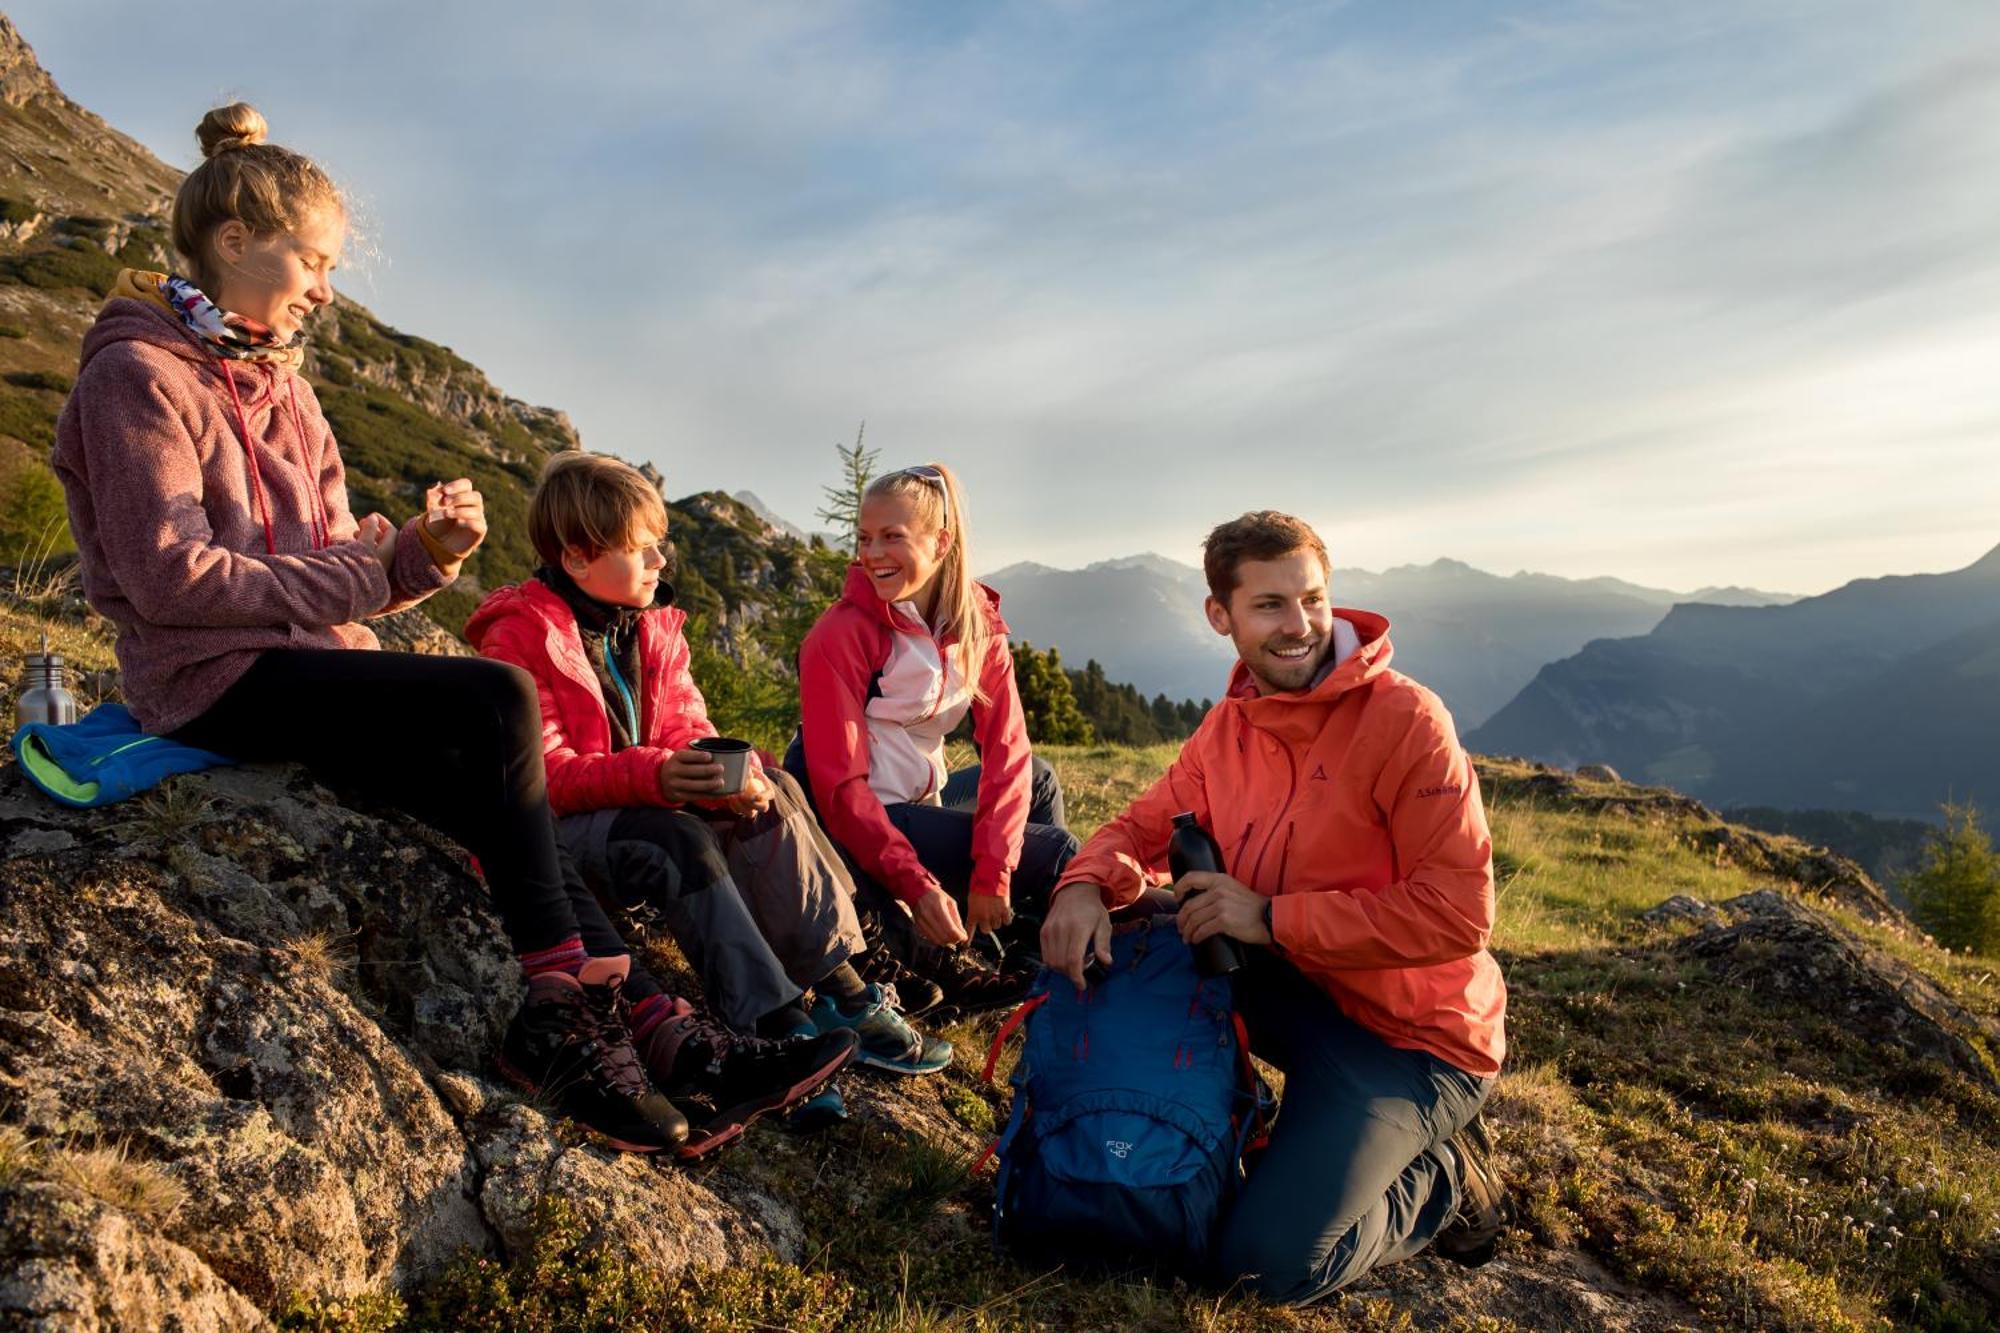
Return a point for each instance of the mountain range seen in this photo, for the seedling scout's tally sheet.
(1474, 637)
(1882, 695)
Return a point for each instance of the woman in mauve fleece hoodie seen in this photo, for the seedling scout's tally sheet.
(211, 520)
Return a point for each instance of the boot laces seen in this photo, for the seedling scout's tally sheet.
(604, 1029)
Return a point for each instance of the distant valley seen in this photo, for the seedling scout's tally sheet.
(1881, 696)
(1474, 637)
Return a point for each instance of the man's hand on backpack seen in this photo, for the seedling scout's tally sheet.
(1077, 926)
(1213, 904)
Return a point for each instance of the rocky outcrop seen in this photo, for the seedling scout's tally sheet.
(1779, 945)
(22, 78)
(282, 1008)
(1596, 790)
(76, 1263)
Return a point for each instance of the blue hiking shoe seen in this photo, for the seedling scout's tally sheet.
(821, 1111)
(887, 1042)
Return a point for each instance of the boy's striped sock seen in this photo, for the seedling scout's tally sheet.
(568, 956)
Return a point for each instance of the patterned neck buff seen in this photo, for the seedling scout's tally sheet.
(236, 337)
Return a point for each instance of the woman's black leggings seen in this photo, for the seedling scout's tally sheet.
(455, 741)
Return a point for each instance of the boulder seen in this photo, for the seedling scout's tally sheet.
(281, 1007)
(1778, 944)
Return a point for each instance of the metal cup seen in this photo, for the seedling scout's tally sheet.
(734, 756)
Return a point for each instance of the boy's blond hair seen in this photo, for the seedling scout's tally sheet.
(595, 503)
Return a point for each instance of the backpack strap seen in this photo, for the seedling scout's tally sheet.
(1008, 1029)
(1256, 1133)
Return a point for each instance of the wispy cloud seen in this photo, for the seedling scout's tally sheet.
(1687, 293)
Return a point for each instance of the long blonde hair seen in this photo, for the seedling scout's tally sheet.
(937, 501)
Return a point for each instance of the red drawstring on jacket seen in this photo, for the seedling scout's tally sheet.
(318, 515)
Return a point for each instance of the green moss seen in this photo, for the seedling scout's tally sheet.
(565, 1282)
(375, 1313)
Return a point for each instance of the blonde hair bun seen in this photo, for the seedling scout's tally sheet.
(238, 125)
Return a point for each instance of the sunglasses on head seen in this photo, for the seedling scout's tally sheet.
(924, 472)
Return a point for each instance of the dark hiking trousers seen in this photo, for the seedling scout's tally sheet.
(761, 907)
(942, 837)
(455, 741)
(1351, 1180)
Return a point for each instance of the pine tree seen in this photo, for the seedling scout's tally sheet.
(1955, 888)
(842, 511)
(1047, 699)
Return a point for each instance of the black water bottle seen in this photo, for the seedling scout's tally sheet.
(1191, 848)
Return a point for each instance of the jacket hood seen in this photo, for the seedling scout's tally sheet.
(129, 319)
(136, 312)
(859, 592)
(1369, 659)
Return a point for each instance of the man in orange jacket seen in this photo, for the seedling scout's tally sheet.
(1358, 858)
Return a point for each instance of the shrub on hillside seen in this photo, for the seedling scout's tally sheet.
(1048, 699)
(28, 417)
(57, 267)
(34, 522)
(52, 380)
(1955, 889)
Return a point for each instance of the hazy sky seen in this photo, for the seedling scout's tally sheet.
(1684, 293)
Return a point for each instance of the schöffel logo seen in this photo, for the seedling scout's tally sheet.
(1450, 789)
(1118, 1148)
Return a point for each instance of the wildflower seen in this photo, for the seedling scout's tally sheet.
(1932, 1214)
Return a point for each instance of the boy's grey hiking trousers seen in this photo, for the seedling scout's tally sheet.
(760, 907)
(1351, 1180)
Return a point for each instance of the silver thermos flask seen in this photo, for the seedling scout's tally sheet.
(44, 697)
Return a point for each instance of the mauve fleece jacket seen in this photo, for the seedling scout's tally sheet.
(170, 538)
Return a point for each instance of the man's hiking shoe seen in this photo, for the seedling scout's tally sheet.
(1474, 1231)
(972, 985)
(569, 1044)
(733, 1079)
(907, 991)
(887, 1042)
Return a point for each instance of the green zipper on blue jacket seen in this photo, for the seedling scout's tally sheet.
(128, 745)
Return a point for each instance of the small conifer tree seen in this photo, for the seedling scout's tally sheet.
(1955, 889)
(1047, 699)
(842, 511)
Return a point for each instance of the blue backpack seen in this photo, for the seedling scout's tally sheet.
(1133, 1106)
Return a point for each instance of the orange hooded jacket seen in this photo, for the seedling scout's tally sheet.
(1352, 806)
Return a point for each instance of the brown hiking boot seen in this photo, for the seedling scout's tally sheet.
(729, 1079)
(1473, 1233)
(570, 1044)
